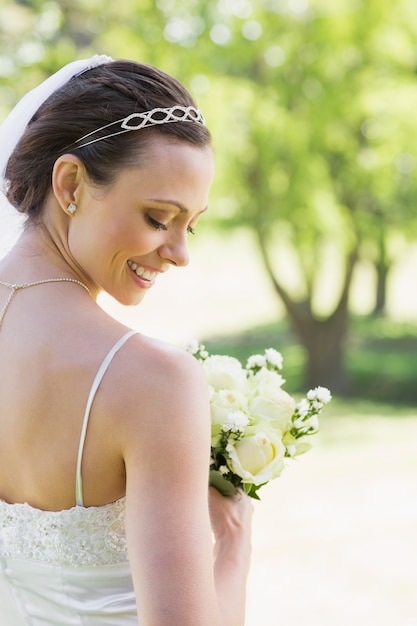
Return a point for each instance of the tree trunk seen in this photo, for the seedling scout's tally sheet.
(323, 339)
(382, 267)
(381, 289)
(324, 343)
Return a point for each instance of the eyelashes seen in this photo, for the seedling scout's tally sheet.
(155, 224)
(159, 226)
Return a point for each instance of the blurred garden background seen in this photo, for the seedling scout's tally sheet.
(309, 246)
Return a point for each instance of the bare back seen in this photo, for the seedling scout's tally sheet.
(52, 342)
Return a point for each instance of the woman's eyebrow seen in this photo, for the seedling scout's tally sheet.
(179, 205)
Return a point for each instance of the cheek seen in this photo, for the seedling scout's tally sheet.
(118, 235)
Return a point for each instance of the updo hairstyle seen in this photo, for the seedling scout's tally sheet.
(88, 101)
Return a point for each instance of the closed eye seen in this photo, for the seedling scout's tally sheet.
(155, 224)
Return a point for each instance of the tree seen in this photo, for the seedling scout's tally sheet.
(315, 119)
(312, 111)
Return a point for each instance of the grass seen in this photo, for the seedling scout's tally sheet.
(382, 360)
(381, 357)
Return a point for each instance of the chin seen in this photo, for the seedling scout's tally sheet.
(133, 300)
(126, 299)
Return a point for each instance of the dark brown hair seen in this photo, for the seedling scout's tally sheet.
(97, 97)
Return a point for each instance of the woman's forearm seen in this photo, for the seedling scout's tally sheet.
(231, 568)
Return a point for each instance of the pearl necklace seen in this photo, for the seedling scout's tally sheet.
(13, 288)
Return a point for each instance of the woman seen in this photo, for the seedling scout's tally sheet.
(104, 454)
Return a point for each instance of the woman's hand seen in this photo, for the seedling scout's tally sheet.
(229, 514)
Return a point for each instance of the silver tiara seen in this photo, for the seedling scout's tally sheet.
(154, 117)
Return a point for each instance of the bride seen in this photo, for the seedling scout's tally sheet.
(105, 513)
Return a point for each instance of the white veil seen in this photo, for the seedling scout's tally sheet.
(12, 129)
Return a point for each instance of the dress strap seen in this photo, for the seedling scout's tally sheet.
(96, 382)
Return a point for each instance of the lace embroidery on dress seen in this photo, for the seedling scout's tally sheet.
(74, 537)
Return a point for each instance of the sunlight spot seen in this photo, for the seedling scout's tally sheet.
(368, 158)
(31, 52)
(371, 128)
(274, 56)
(183, 30)
(311, 88)
(298, 6)
(405, 163)
(252, 30)
(220, 34)
(200, 84)
(240, 8)
(49, 20)
(7, 67)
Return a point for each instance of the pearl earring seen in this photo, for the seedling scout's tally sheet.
(71, 208)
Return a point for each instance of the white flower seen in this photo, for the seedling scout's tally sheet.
(322, 394)
(303, 407)
(225, 372)
(269, 401)
(265, 378)
(236, 421)
(298, 423)
(192, 346)
(255, 424)
(277, 409)
(291, 450)
(256, 360)
(274, 357)
(259, 456)
(225, 402)
(311, 422)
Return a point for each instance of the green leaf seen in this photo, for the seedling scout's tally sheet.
(217, 480)
(252, 490)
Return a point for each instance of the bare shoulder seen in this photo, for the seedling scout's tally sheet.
(157, 388)
(155, 366)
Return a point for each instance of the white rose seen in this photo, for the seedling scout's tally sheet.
(277, 408)
(264, 379)
(269, 401)
(225, 372)
(259, 456)
(224, 402)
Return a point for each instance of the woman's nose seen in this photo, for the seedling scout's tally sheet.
(175, 251)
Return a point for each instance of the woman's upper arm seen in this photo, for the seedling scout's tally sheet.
(166, 452)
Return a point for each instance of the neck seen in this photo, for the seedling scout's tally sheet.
(35, 256)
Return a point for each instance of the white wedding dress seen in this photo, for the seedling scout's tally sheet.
(66, 568)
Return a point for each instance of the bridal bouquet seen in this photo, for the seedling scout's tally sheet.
(256, 426)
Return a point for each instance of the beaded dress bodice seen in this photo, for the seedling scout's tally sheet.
(74, 537)
(69, 567)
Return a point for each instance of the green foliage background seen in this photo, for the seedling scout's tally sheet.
(312, 108)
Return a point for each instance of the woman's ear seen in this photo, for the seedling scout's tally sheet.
(67, 177)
